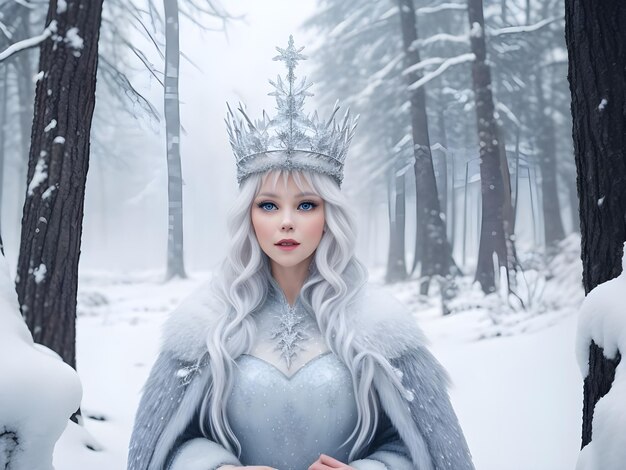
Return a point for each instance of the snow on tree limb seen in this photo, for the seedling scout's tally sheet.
(441, 37)
(510, 114)
(461, 59)
(442, 7)
(5, 31)
(427, 10)
(28, 43)
(422, 64)
(525, 28)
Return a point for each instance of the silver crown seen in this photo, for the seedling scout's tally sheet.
(292, 140)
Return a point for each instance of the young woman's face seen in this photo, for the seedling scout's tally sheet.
(286, 212)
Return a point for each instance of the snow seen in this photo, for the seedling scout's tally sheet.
(441, 7)
(73, 39)
(29, 42)
(39, 176)
(602, 104)
(476, 30)
(603, 321)
(48, 192)
(40, 273)
(61, 6)
(38, 76)
(59, 139)
(524, 28)
(43, 391)
(51, 125)
(440, 38)
(461, 59)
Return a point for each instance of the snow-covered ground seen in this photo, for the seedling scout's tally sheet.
(518, 396)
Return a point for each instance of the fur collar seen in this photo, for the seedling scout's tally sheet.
(381, 323)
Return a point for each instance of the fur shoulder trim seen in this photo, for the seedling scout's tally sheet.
(383, 324)
(379, 321)
(185, 331)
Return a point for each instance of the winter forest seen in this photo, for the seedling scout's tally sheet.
(487, 175)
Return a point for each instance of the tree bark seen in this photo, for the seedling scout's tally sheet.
(492, 232)
(175, 260)
(47, 272)
(432, 244)
(596, 39)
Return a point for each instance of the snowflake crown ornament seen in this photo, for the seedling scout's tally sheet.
(292, 140)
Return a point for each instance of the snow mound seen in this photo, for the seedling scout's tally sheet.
(603, 320)
(39, 392)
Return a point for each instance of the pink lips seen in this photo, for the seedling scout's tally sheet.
(291, 247)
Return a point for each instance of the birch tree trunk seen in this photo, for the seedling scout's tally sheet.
(492, 231)
(595, 37)
(47, 271)
(175, 260)
(431, 243)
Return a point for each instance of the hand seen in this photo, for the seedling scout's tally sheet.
(326, 462)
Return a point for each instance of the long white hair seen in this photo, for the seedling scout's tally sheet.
(242, 283)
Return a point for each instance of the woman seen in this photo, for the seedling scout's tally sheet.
(288, 359)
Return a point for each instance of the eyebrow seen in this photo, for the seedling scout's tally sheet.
(278, 197)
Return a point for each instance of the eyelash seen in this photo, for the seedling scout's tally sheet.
(313, 204)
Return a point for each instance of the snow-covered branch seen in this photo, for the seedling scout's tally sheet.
(461, 59)
(524, 28)
(5, 31)
(441, 37)
(442, 7)
(427, 10)
(28, 43)
(510, 114)
(422, 64)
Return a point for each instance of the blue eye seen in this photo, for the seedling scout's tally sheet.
(308, 206)
(264, 205)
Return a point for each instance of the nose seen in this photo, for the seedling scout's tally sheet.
(287, 223)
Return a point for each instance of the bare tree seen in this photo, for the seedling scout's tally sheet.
(431, 247)
(175, 260)
(597, 60)
(47, 272)
(492, 232)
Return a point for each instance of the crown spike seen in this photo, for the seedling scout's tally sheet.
(292, 139)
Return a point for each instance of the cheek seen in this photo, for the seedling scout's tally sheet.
(316, 227)
(260, 228)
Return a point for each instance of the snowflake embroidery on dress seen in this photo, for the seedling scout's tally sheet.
(289, 333)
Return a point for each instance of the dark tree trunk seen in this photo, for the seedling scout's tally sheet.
(442, 168)
(492, 231)
(396, 264)
(553, 227)
(59, 157)
(175, 260)
(596, 40)
(431, 240)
